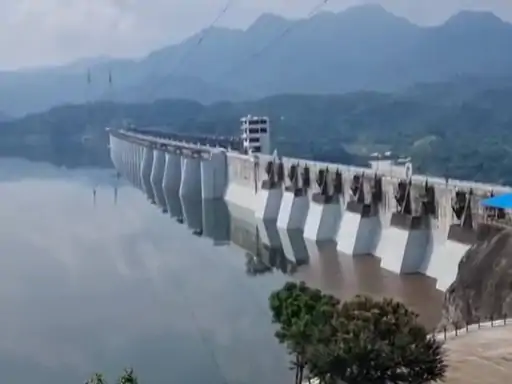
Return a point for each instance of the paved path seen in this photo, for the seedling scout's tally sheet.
(483, 356)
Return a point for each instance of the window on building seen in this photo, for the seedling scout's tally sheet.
(256, 149)
(254, 130)
(254, 139)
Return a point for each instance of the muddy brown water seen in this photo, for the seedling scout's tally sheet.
(342, 275)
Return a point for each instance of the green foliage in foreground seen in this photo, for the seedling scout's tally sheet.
(128, 377)
(359, 341)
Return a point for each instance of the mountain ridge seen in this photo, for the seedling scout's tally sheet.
(361, 48)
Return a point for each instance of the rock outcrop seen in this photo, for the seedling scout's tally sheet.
(483, 286)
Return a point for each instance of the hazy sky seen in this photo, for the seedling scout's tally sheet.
(39, 32)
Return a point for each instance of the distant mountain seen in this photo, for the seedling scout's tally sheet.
(362, 48)
(4, 117)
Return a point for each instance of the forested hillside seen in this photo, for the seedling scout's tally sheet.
(466, 135)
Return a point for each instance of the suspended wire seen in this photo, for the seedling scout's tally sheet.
(202, 37)
(318, 7)
(192, 48)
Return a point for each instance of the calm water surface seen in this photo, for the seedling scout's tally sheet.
(98, 281)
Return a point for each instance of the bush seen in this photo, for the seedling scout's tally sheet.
(361, 341)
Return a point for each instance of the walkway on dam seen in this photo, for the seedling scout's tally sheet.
(483, 356)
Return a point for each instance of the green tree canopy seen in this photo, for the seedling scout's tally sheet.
(361, 341)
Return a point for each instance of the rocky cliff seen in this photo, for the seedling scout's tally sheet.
(483, 287)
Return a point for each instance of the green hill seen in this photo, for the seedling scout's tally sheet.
(466, 138)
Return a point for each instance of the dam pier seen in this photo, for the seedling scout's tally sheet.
(411, 222)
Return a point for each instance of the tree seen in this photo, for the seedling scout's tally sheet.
(128, 377)
(304, 316)
(362, 341)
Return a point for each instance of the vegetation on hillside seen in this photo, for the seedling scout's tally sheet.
(359, 341)
(464, 135)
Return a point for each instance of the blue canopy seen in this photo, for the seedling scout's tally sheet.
(502, 201)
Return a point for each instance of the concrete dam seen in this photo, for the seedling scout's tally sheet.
(411, 222)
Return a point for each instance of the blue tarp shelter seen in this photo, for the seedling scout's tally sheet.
(502, 201)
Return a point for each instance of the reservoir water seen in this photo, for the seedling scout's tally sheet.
(94, 275)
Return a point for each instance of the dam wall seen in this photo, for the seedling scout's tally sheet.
(412, 223)
(242, 180)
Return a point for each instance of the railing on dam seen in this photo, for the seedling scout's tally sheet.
(165, 144)
(226, 142)
(232, 143)
(249, 170)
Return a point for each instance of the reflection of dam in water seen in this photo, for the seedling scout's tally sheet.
(268, 249)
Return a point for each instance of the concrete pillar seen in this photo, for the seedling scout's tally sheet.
(359, 230)
(294, 246)
(268, 197)
(114, 151)
(190, 186)
(193, 213)
(407, 245)
(294, 203)
(157, 175)
(174, 206)
(140, 162)
(127, 164)
(268, 234)
(125, 161)
(111, 147)
(404, 243)
(172, 173)
(325, 207)
(120, 158)
(268, 202)
(323, 220)
(214, 176)
(444, 264)
(136, 165)
(360, 226)
(454, 239)
(293, 211)
(216, 221)
(145, 173)
(131, 163)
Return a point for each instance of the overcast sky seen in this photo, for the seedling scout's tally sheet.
(40, 32)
